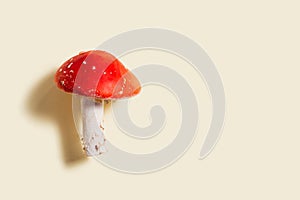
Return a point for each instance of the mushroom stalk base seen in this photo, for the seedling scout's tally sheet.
(92, 131)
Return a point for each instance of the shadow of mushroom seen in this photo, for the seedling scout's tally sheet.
(46, 101)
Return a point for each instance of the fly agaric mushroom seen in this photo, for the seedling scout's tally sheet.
(96, 76)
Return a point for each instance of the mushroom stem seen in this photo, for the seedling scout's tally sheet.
(93, 137)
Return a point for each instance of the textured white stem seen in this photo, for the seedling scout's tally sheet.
(93, 137)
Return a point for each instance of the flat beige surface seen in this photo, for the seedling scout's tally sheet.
(255, 45)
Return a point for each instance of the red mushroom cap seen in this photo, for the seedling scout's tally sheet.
(97, 74)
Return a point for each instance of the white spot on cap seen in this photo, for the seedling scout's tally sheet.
(65, 72)
(70, 65)
(121, 92)
(110, 72)
(71, 71)
(93, 68)
(91, 91)
(60, 70)
(78, 87)
(62, 82)
(104, 72)
(84, 62)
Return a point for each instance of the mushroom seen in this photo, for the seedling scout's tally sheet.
(96, 76)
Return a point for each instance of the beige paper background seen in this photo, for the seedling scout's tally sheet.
(255, 45)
